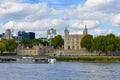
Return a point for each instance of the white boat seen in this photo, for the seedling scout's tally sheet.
(35, 60)
(25, 60)
(45, 60)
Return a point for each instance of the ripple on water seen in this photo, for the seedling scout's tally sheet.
(60, 71)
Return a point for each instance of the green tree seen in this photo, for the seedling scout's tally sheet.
(35, 42)
(111, 43)
(86, 42)
(11, 45)
(106, 44)
(118, 43)
(2, 47)
(98, 44)
(57, 41)
(25, 41)
(45, 43)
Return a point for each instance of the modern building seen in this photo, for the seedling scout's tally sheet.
(72, 41)
(8, 34)
(31, 35)
(1, 36)
(23, 35)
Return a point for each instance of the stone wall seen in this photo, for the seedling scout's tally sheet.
(30, 51)
(83, 53)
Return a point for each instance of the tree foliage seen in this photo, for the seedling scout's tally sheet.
(2, 47)
(25, 41)
(8, 45)
(57, 41)
(11, 45)
(98, 44)
(101, 44)
(86, 42)
(106, 44)
(34, 42)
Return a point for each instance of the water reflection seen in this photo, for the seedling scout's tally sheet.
(60, 71)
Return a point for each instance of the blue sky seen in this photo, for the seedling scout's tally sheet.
(100, 16)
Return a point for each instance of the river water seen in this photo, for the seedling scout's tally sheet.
(60, 71)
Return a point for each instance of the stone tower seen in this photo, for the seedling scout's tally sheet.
(66, 35)
(85, 31)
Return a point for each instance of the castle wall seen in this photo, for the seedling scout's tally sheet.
(28, 51)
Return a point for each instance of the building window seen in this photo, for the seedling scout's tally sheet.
(68, 47)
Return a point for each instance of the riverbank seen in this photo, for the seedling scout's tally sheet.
(89, 59)
(77, 58)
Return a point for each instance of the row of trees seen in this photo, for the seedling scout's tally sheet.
(56, 42)
(26, 41)
(101, 44)
(8, 45)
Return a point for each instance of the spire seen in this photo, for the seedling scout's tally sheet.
(85, 27)
(85, 31)
(66, 28)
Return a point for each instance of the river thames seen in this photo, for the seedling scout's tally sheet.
(60, 71)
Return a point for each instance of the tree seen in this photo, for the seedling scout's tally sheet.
(8, 45)
(111, 43)
(25, 41)
(2, 47)
(86, 42)
(35, 42)
(118, 43)
(57, 41)
(45, 43)
(98, 44)
(106, 44)
(11, 45)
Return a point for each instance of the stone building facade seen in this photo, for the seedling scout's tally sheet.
(72, 42)
(37, 50)
(27, 51)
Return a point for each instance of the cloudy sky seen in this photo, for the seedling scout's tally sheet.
(100, 16)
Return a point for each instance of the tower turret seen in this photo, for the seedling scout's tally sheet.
(85, 31)
(66, 35)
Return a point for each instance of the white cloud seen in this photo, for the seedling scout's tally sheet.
(81, 24)
(99, 31)
(39, 17)
(116, 20)
(98, 3)
(24, 11)
(39, 27)
(106, 6)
